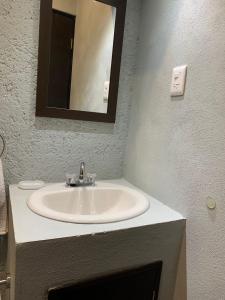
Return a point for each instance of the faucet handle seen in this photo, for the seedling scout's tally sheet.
(91, 178)
(71, 179)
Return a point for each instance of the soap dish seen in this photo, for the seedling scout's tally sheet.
(31, 185)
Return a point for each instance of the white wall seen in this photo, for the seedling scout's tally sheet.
(176, 149)
(93, 44)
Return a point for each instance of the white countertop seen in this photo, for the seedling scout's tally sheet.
(30, 227)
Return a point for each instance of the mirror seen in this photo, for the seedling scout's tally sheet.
(80, 47)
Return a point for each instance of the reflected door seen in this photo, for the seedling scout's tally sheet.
(63, 26)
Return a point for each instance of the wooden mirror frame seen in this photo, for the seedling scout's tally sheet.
(42, 109)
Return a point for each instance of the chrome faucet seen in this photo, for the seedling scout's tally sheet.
(82, 180)
(82, 171)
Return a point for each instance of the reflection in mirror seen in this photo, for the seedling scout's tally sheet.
(82, 38)
(79, 59)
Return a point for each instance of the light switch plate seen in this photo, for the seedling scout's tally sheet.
(178, 81)
(106, 90)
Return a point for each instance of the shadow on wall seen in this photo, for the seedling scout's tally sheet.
(73, 126)
(157, 48)
(153, 51)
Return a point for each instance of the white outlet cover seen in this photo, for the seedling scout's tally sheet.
(178, 81)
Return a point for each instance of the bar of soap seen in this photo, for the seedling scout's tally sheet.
(31, 185)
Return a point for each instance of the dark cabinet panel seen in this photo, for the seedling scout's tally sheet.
(138, 284)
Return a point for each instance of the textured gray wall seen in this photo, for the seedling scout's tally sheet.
(47, 148)
(176, 149)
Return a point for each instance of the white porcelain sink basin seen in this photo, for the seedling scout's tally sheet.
(103, 203)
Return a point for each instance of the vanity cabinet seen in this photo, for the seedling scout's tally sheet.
(141, 284)
(52, 260)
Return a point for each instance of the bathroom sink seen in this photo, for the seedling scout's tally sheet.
(102, 203)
